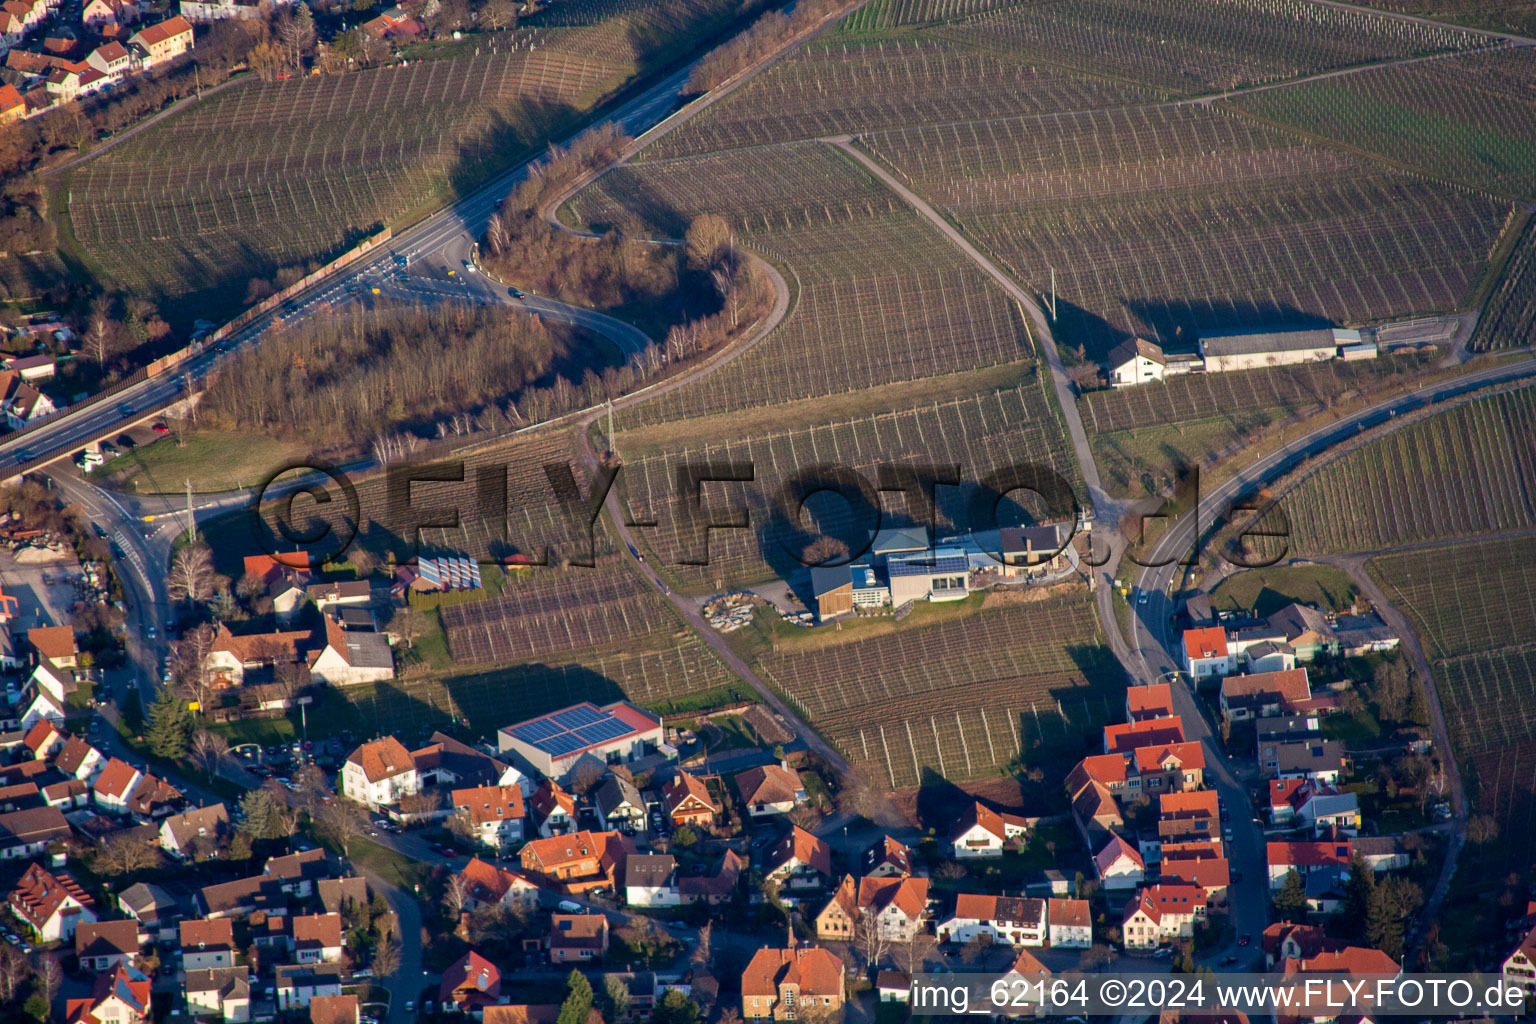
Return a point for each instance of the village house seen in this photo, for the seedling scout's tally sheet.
(1119, 864)
(713, 888)
(155, 910)
(1161, 913)
(888, 858)
(81, 761)
(297, 984)
(103, 945)
(1264, 694)
(770, 789)
(1305, 858)
(1188, 816)
(1169, 767)
(1136, 361)
(206, 945)
(223, 992)
(1306, 629)
(688, 801)
(98, 14)
(231, 656)
(121, 996)
(577, 938)
(579, 862)
(26, 833)
(983, 832)
(1070, 922)
(1316, 760)
(351, 657)
(650, 880)
(620, 807)
(1269, 656)
(1125, 737)
(196, 831)
(1006, 920)
(471, 983)
(1039, 549)
(334, 1009)
(897, 905)
(494, 814)
(162, 42)
(297, 873)
(1198, 864)
(380, 773)
(1520, 966)
(317, 939)
(1205, 652)
(1154, 700)
(22, 402)
(554, 810)
(798, 859)
(779, 984)
(488, 885)
(51, 905)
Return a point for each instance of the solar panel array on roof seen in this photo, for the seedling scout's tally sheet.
(450, 572)
(571, 729)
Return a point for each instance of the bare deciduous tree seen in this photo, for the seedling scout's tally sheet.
(191, 575)
(345, 820)
(870, 939)
(386, 957)
(210, 749)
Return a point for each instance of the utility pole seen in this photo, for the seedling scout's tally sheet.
(1053, 295)
(611, 446)
(191, 520)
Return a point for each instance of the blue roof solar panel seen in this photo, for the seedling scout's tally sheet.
(580, 716)
(565, 743)
(609, 729)
(538, 729)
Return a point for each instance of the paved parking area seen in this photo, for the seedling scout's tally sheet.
(44, 591)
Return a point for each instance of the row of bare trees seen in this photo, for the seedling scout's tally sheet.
(767, 34)
(336, 381)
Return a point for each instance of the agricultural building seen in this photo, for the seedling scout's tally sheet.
(552, 744)
(939, 575)
(1254, 350)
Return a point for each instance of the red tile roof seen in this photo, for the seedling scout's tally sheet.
(1071, 912)
(55, 642)
(798, 844)
(1308, 855)
(1154, 701)
(816, 971)
(40, 894)
(164, 30)
(490, 803)
(116, 779)
(489, 883)
(1127, 736)
(1189, 755)
(216, 934)
(684, 788)
(1200, 804)
(382, 759)
(1287, 686)
(1210, 642)
(769, 784)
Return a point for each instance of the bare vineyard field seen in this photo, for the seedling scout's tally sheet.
(487, 700)
(1498, 15)
(881, 295)
(555, 610)
(1463, 472)
(1195, 48)
(1472, 606)
(1166, 222)
(841, 87)
(883, 15)
(1469, 118)
(979, 433)
(1509, 318)
(294, 171)
(1466, 598)
(963, 698)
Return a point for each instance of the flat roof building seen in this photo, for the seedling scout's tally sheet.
(552, 744)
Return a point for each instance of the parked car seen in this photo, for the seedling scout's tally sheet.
(160, 428)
